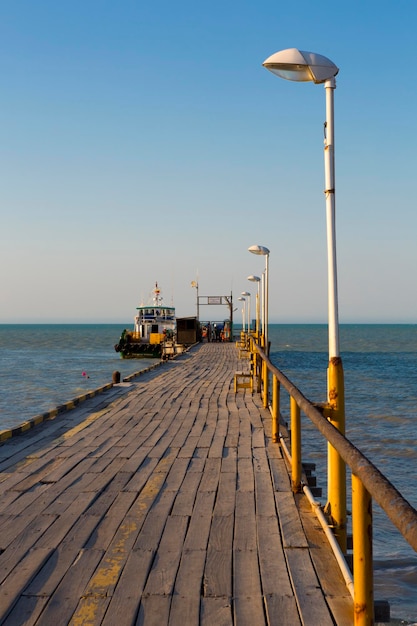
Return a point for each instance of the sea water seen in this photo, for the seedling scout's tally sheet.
(42, 366)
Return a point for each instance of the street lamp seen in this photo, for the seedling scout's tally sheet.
(247, 295)
(261, 250)
(298, 65)
(194, 283)
(243, 312)
(256, 279)
(301, 66)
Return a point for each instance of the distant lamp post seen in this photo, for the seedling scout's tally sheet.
(243, 312)
(247, 295)
(262, 251)
(194, 283)
(299, 65)
(257, 280)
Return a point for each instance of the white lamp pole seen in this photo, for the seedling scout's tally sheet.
(298, 65)
(257, 280)
(243, 312)
(301, 66)
(247, 295)
(194, 283)
(261, 250)
(263, 306)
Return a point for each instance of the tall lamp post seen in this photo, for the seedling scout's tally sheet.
(261, 250)
(298, 65)
(243, 312)
(247, 295)
(194, 283)
(257, 280)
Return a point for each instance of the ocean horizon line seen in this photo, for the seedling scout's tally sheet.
(235, 324)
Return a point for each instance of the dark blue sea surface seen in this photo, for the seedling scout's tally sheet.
(44, 365)
(41, 366)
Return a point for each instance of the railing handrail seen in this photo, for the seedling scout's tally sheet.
(397, 508)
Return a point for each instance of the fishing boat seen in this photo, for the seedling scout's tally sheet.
(154, 330)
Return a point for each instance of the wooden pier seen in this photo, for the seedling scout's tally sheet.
(162, 501)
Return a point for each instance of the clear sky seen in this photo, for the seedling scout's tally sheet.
(144, 141)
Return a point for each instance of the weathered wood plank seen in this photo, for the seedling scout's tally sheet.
(226, 494)
(280, 476)
(26, 610)
(105, 530)
(176, 474)
(140, 478)
(218, 573)
(310, 601)
(16, 581)
(161, 578)
(282, 610)
(221, 532)
(154, 611)
(185, 498)
(24, 500)
(124, 603)
(200, 522)
(216, 611)
(245, 477)
(264, 495)
(23, 541)
(272, 562)
(65, 598)
(185, 605)
(245, 521)
(229, 460)
(211, 475)
(292, 531)
(53, 571)
(248, 600)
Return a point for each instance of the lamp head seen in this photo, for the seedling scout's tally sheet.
(254, 279)
(245, 293)
(259, 250)
(301, 66)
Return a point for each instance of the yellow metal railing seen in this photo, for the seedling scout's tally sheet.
(367, 481)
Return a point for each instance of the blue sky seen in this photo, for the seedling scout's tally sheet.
(144, 142)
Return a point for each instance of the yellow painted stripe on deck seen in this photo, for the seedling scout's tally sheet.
(92, 418)
(114, 560)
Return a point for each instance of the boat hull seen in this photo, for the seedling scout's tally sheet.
(138, 350)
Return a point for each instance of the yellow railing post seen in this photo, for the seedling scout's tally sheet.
(258, 373)
(265, 380)
(362, 554)
(275, 409)
(295, 446)
(335, 412)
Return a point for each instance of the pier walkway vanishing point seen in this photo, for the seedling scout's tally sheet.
(162, 501)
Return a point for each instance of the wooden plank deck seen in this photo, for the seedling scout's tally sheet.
(161, 502)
